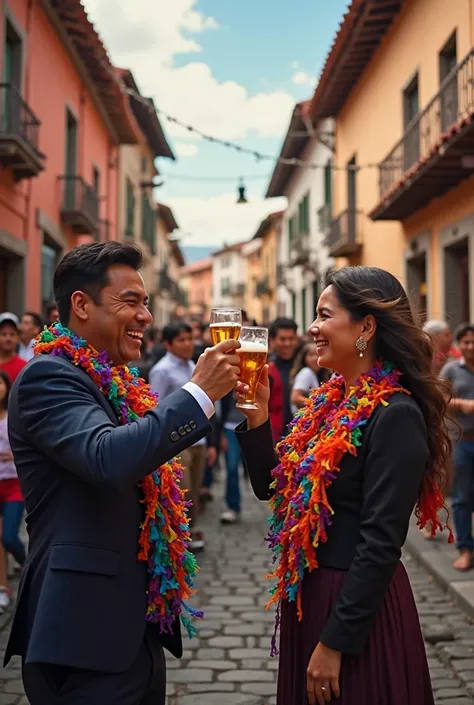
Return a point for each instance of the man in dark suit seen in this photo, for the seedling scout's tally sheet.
(80, 622)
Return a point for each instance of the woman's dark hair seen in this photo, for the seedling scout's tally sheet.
(364, 291)
(85, 268)
(8, 385)
(300, 360)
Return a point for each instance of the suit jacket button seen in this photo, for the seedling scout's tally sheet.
(174, 436)
(187, 428)
(193, 425)
(182, 431)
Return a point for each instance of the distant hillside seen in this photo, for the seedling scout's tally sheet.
(193, 253)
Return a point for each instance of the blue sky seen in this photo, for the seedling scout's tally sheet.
(232, 69)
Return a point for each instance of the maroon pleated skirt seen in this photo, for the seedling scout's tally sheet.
(392, 670)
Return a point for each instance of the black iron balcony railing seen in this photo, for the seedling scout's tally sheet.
(80, 205)
(19, 134)
(343, 239)
(454, 100)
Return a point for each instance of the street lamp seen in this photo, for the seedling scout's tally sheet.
(241, 192)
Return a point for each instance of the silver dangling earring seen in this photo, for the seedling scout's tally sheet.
(361, 346)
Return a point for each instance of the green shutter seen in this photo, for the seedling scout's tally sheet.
(327, 184)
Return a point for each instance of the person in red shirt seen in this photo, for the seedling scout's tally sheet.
(10, 361)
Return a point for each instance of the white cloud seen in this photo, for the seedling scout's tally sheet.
(185, 149)
(301, 78)
(147, 35)
(213, 221)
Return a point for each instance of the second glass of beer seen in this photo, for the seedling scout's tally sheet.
(225, 324)
(253, 354)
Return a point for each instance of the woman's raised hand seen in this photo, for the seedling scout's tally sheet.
(256, 417)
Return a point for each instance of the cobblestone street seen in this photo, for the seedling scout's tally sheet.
(229, 663)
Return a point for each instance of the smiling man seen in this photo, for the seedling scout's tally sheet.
(103, 586)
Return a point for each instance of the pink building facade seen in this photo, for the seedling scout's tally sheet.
(62, 119)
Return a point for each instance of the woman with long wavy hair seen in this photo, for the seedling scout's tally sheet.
(369, 447)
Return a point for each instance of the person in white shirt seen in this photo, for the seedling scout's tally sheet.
(304, 375)
(30, 327)
(167, 376)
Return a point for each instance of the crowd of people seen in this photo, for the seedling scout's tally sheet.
(85, 436)
(167, 362)
(17, 337)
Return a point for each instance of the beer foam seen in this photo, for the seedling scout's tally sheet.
(225, 324)
(253, 346)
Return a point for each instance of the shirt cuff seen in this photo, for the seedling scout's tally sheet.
(201, 397)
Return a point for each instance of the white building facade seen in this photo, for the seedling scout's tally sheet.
(303, 258)
(229, 276)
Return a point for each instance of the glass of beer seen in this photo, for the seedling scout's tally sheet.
(225, 324)
(253, 354)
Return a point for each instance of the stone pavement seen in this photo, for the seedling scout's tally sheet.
(229, 663)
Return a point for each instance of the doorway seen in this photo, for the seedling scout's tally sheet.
(417, 285)
(456, 278)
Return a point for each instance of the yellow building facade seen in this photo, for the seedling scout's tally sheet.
(402, 94)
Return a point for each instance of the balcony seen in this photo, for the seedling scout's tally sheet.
(237, 290)
(324, 219)
(80, 205)
(436, 151)
(165, 283)
(263, 287)
(300, 249)
(343, 239)
(19, 135)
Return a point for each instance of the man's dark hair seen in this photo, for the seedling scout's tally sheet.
(281, 324)
(36, 318)
(463, 330)
(85, 267)
(172, 330)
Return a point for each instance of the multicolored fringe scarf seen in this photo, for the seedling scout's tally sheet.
(324, 430)
(164, 536)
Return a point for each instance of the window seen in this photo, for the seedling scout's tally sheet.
(148, 223)
(328, 184)
(130, 210)
(293, 306)
(71, 144)
(50, 255)
(96, 180)
(13, 57)
(292, 228)
(449, 92)
(303, 215)
(411, 141)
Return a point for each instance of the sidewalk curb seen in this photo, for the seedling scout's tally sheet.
(438, 562)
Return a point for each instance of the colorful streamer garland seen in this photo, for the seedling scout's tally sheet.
(164, 536)
(329, 426)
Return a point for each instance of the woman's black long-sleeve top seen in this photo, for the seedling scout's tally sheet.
(373, 497)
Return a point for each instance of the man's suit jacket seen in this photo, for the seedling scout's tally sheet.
(82, 596)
